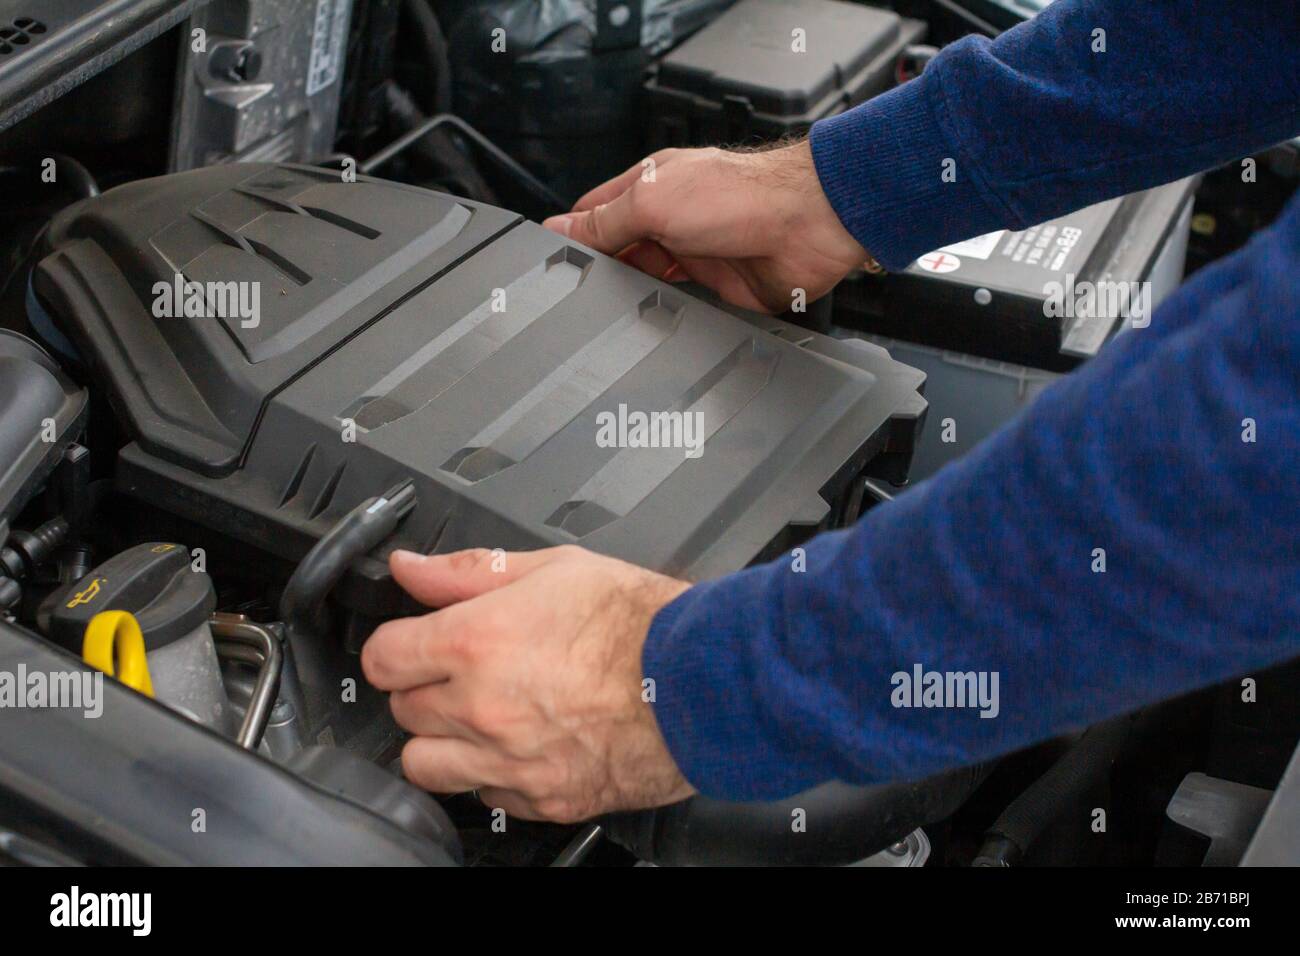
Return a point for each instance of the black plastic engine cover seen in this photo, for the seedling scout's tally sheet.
(191, 389)
(409, 334)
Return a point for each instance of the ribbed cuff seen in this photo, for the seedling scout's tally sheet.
(690, 674)
(882, 166)
(710, 702)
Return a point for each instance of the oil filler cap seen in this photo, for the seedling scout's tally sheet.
(153, 581)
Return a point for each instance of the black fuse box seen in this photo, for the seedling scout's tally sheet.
(1048, 296)
(766, 68)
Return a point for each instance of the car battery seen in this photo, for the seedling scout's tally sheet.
(1048, 296)
(767, 68)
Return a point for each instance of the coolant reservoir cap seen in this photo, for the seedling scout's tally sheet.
(154, 581)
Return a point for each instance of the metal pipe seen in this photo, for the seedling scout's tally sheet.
(238, 629)
(978, 23)
(580, 846)
(230, 651)
(878, 491)
(500, 156)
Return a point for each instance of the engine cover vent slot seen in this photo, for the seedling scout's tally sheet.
(20, 32)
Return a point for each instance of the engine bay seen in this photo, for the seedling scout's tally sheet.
(239, 366)
(311, 372)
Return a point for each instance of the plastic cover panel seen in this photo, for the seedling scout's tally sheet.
(749, 51)
(498, 412)
(484, 377)
(323, 256)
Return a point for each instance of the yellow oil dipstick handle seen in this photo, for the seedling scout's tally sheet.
(116, 636)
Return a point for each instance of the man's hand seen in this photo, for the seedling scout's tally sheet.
(751, 226)
(527, 684)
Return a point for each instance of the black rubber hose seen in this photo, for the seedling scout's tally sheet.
(451, 166)
(455, 170)
(1067, 781)
(433, 49)
(11, 592)
(499, 156)
(302, 606)
(24, 553)
(844, 823)
(33, 548)
(79, 177)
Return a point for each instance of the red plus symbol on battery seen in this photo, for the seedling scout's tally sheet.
(940, 263)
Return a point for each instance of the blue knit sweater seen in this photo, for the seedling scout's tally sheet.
(1172, 461)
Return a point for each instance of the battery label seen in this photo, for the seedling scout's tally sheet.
(1019, 263)
(981, 247)
(328, 36)
(1047, 246)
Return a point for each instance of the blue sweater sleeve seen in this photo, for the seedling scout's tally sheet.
(1054, 116)
(1173, 457)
